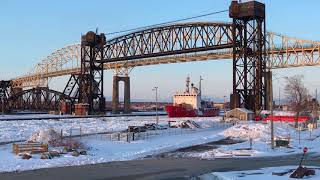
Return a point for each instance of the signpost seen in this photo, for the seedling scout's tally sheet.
(310, 128)
(299, 130)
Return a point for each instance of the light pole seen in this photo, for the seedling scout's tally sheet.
(279, 99)
(271, 107)
(224, 106)
(157, 118)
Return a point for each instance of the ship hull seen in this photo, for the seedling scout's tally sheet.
(180, 111)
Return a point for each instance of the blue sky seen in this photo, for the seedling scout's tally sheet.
(31, 30)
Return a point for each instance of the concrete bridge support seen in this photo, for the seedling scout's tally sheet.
(115, 94)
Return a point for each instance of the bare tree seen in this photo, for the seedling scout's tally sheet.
(297, 95)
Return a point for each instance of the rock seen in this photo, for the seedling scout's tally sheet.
(300, 172)
(54, 154)
(66, 149)
(83, 152)
(75, 153)
(45, 156)
(26, 156)
(310, 172)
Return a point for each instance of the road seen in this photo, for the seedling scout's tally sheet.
(161, 168)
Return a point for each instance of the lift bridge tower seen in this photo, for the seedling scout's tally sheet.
(249, 55)
(91, 76)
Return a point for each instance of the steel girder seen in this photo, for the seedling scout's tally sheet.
(169, 40)
(91, 76)
(72, 88)
(38, 99)
(287, 52)
(5, 90)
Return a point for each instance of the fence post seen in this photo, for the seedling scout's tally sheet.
(61, 135)
(80, 132)
(70, 132)
(127, 137)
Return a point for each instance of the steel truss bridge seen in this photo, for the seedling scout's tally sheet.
(283, 52)
(245, 40)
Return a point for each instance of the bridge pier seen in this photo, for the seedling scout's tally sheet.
(115, 94)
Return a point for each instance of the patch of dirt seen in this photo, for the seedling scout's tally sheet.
(226, 141)
(183, 152)
(197, 148)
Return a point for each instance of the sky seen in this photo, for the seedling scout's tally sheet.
(31, 30)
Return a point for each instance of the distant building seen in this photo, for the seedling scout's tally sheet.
(218, 105)
(240, 113)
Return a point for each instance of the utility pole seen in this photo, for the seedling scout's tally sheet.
(157, 117)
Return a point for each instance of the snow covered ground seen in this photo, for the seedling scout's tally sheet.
(22, 130)
(261, 174)
(261, 146)
(102, 150)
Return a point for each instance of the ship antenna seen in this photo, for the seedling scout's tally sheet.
(187, 84)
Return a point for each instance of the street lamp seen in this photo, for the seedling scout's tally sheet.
(224, 106)
(271, 108)
(157, 118)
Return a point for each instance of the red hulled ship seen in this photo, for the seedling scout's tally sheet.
(189, 104)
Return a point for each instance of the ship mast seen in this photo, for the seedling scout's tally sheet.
(188, 84)
(200, 86)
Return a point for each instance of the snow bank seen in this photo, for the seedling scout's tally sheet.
(279, 113)
(264, 173)
(257, 131)
(44, 136)
(22, 130)
(101, 150)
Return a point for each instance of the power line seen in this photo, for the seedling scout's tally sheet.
(168, 22)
